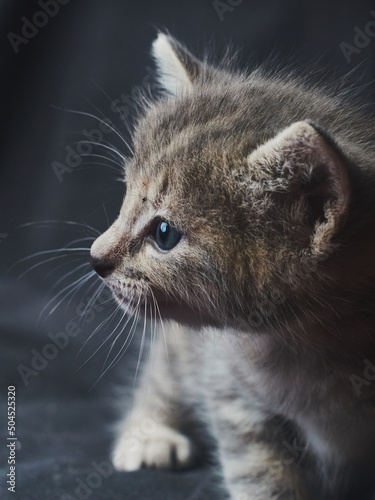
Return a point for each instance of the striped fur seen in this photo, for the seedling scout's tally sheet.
(268, 299)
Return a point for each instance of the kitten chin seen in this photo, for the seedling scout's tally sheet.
(160, 307)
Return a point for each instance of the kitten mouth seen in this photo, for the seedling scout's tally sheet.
(132, 301)
(127, 298)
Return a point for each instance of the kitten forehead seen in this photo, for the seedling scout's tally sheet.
(143, 200)
(156, 190)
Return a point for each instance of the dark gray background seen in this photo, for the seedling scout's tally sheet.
(87, 46)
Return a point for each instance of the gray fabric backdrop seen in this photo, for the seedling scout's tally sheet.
(83, 56)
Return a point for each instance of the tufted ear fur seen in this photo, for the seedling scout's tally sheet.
(304, 162)
(177, 67)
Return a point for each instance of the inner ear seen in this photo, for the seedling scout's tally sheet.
(305, 164)
(177, 68)
(317, 191)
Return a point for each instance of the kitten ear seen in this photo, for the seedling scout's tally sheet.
(177, 67)
(305, 163)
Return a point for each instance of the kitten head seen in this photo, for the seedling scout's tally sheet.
(233, 198)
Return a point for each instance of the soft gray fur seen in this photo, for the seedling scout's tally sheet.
(268, 298)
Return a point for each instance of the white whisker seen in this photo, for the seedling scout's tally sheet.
(74, 292)
(119, 170)
(142, 343)
(115, 129)
(90, 115)
(109, 148)
(107, 338)
(123, 348)
(40, 264)
(69, 263)
(91, 238)
(98, 328)
(92, 300)
(76, 283)
(69, 274)
(162, 328)
(117, 336)
(47, 252)
(45, 223)
(117, 108)
(130, 335)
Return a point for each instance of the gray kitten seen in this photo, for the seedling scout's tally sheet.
(248, 226)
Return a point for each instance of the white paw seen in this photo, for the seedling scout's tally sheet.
(151, 446)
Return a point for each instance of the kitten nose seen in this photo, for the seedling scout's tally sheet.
(103, 268)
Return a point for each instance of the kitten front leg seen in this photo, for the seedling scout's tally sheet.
(144, 442)
(255, 467)
(149, 435)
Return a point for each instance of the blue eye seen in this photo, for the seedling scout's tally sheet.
(166, 236)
